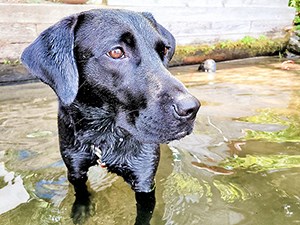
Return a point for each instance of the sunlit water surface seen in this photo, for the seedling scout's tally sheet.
(240, 166)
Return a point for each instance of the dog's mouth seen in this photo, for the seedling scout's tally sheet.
(166, 137)
(181, 134)
(157, 138)
(121, 132)
(153, 129)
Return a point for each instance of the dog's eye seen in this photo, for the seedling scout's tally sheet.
(166, 49)
(116, 53)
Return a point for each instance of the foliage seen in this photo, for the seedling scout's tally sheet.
(247, 40)
(296, 4)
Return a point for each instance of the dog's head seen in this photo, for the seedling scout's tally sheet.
(116, 58)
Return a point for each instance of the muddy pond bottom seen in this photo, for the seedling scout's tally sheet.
(241, 165)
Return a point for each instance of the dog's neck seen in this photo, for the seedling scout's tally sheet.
(95, 128)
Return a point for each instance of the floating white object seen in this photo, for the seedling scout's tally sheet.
(14, 193)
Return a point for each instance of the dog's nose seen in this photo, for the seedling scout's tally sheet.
(187, 107)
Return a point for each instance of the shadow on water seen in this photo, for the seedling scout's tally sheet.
(240, 166)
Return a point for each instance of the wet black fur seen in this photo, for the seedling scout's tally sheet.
(126, 107)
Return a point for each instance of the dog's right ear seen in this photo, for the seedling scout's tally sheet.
(51, 58)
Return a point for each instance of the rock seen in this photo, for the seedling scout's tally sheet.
(208, 65)
(294, 43)
(289, 55)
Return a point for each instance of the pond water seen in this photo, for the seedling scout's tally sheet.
(241, 165)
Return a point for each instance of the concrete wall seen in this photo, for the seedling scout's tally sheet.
(191, 21)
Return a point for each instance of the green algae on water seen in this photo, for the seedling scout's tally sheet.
(291, 122)
(256, 164)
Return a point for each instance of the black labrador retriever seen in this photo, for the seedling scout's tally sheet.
(117, 100)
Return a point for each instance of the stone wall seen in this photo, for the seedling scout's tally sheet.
(191, 21)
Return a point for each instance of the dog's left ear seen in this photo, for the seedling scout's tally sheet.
(163, 32)
(50, 57)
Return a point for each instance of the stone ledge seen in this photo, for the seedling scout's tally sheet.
(21, 23)
(202, 3)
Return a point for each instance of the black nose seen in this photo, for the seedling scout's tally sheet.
(186, 107)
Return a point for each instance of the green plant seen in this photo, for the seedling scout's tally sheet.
(11, 62)
(247, 40)
(296, 4)
(262, 38)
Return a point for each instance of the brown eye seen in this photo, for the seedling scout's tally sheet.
(165, 52)
(116, 53)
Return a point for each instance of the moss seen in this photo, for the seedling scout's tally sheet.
(12, 62)
(228, 50)
(194, 50)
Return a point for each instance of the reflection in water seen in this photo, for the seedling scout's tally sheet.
(53, 190)
(183, 192)
(247, 129)
(231, 192)
(213, 169)
(100, 179)
(256, 164)
(180, 190)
